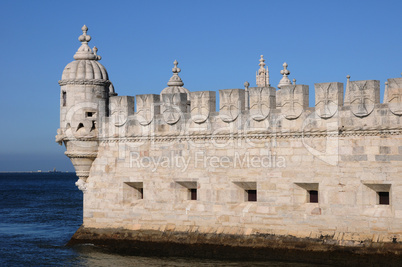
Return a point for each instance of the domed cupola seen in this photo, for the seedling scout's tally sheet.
(86, 68)
(175, 84)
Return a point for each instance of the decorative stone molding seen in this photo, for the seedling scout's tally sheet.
(81, 184)
(85, 82)
(81, 154)
(259, 135)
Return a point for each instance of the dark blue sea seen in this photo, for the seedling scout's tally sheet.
(39, 212)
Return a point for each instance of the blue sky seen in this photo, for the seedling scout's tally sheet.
(217, 44)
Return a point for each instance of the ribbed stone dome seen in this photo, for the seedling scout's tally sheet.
(86, 66)
(84, 70)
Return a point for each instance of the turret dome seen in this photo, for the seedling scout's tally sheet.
(84, 70)
(86, 65)
(175, 84)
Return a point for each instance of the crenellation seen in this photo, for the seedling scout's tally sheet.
(393, 95)
(363, 96)
(174, 106)
(328, 98)
(203, 103)
(294, 100)
(231, 104)
(262, 100)
(147, 108)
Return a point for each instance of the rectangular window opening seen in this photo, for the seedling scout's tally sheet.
(313, 196)
(133, 191)
(141, 193)
(64, 98)
(193, 194)
(383, 198)
(251, 195)
(89, 114)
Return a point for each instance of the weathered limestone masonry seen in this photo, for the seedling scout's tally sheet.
(264, 165)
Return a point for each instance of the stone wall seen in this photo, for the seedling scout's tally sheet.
(151, 162)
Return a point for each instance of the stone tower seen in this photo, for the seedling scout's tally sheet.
(84, 96)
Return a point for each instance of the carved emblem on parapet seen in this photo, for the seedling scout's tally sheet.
(262, 99)
(173, 107)
(147, 108)
(363, 96)
(120, 108)
(393, 95)
(231, 104)
(202, 103)
(328, 97)
(294, 99)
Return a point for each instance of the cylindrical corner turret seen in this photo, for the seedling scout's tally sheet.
(84, 97)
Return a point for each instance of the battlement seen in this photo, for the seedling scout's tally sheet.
(259, 109)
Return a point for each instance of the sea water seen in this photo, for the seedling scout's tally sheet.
(39, 212)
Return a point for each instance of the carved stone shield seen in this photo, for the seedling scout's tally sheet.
(231, 104)
(328, 98)
(118, 110)
(294, 98)
(363, 96)
(173, 107)
(200, 106)
(260, 103)
(394, 96)
(146, 106)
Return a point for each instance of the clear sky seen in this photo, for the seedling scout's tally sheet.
(217, 43)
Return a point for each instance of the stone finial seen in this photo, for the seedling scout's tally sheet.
(85, 52)
(285, 80)
(262, 64)
(294, 81)
(262, 75)
(347, 98)
(175, 80)
(84, 37)
(246, 85)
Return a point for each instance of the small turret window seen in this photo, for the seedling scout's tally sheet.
(64, 96)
